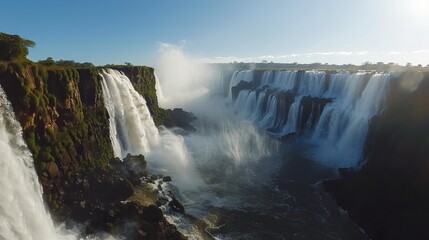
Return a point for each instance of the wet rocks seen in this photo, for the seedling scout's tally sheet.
(178, 118)
(166, 179)
(243, 85)
(162, 201)
(176, 206)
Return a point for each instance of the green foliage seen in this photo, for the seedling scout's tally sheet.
(65, 139)
(45, 154)
(13, 47)
(48, 62)
(64, 63)
(33, 101)
(31, 143)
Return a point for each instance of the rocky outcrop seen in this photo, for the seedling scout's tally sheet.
(66, 127)
(178, 118)
(389, 196)
(242, 85)
(65, 123)
(311, 109)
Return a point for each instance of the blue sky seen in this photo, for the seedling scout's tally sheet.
(333, 31)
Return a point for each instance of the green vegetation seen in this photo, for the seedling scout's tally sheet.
(65, 63)
(13, 47)
(60, 125)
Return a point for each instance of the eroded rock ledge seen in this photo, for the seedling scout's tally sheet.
(66, 127)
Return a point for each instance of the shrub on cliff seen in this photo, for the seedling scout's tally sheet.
(13, 47)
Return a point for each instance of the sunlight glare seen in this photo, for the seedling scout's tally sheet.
(418, 9)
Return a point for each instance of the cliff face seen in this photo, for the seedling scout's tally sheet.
(389, 196)
(66, 127)
(64, 121)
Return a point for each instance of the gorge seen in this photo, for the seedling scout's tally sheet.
(255, 164)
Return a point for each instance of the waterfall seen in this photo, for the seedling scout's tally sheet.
(270, 114)
(266, 78)
(159, 94)
(22, 212)
(284, 80)
(312, 83)
(260, 104)
(132, 129)
(335, 114)
(292, 122)
(237, 77)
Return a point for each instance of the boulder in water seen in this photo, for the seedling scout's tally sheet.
(176, 206)
(166, 179)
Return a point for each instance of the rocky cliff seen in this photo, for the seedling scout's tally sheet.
(66, 127)
(389, 196)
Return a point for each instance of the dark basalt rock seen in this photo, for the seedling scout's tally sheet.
(312, 108)
(242, 85)
(176, 206)
(161, 201)
(389, 196)
(166, 179)
(178, 118)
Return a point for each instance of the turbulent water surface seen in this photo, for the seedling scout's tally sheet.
(235, 177)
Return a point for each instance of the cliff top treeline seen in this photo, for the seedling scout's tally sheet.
(15, 48)
(366, 66)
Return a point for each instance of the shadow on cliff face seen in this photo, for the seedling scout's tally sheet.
(389, 196)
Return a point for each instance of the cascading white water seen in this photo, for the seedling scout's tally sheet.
(350, 125)
(270, 114)
(22, 212)
(312, 83)
(245, 193)
(342, 126)
(132, 129)
(237, 77)
(240, 103)
(336, 86)
(336, 114)
(266, 78)
(159, 94)
(291, 125)
(284, 80)
(260, 104)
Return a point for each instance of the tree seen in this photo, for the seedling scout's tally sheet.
(13, 47)
(48, 62)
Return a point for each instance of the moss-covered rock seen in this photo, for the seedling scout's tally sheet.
(66, 127)
(60, 129)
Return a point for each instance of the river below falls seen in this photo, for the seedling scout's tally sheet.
(277, 196)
